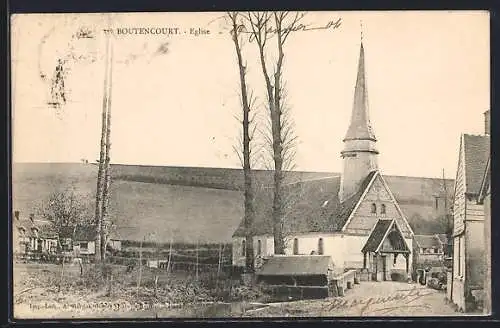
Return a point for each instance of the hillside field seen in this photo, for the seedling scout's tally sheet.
(164, 204)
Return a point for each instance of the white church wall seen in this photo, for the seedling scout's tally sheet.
(352, 257)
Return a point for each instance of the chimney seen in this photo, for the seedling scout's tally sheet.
(16, 215)
(32, 218)
(487, 122)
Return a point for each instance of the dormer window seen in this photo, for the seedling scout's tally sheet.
(374, 208)
(382, 209)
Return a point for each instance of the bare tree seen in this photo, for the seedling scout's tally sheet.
(245, 153)
(264, 26)
(65, 209)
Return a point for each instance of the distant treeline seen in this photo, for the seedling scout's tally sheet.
(191, 181)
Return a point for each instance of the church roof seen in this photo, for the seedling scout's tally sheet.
(385, 228)
(298, 265)
(313, 206)
(476, 153)
(360, 126)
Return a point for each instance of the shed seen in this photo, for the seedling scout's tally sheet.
(297, 270)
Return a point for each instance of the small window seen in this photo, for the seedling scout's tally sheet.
(295, 246)
(84, 245)
(259, 247)
(243, 248)
(382, 209)
(436, 250)
(437, 202)
(374, 208)
(320, 246)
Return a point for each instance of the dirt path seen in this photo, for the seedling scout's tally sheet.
(368, 299)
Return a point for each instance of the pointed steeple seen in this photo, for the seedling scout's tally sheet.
(360, 127)
(360, 153)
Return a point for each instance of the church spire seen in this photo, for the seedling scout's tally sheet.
(360, 127)
(359, 154)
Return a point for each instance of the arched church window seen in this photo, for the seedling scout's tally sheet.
(243, 248)
(295, 246)
(320, 246)
(382, 209)
(374, 208)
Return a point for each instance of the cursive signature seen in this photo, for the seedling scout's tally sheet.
(272, 30)
(404, 297)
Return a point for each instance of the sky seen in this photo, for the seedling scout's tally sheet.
(427, 76)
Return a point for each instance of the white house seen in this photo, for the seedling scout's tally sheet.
(354, 218)
(32, 235)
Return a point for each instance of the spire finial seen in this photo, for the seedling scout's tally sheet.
(361, 29)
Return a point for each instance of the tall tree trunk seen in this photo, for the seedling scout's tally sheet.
(107, 171)
(247, 170)
(276, 125)
(100, 173)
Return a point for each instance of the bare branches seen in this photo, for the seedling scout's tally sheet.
(65, 208)
(246, 104)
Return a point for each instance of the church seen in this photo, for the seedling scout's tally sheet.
(354, 218)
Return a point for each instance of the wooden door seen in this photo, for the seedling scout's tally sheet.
(384, 268)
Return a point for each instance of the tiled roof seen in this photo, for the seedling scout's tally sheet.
(442, 238)
(314, 207)
(477, 152)
(381, 230)
(35, 228)
(377, 235)
(298, 265)
(428, 241)
(485, 184)
(84, 233)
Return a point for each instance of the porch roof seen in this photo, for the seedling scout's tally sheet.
(384, 229)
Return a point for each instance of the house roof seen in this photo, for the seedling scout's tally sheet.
(84, 233)
(36, 228)
(298, 265)
(428, 241)
(476, 153)
(485, 184)
(442, 238)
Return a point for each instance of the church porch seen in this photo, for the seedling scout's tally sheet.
(383, 253)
